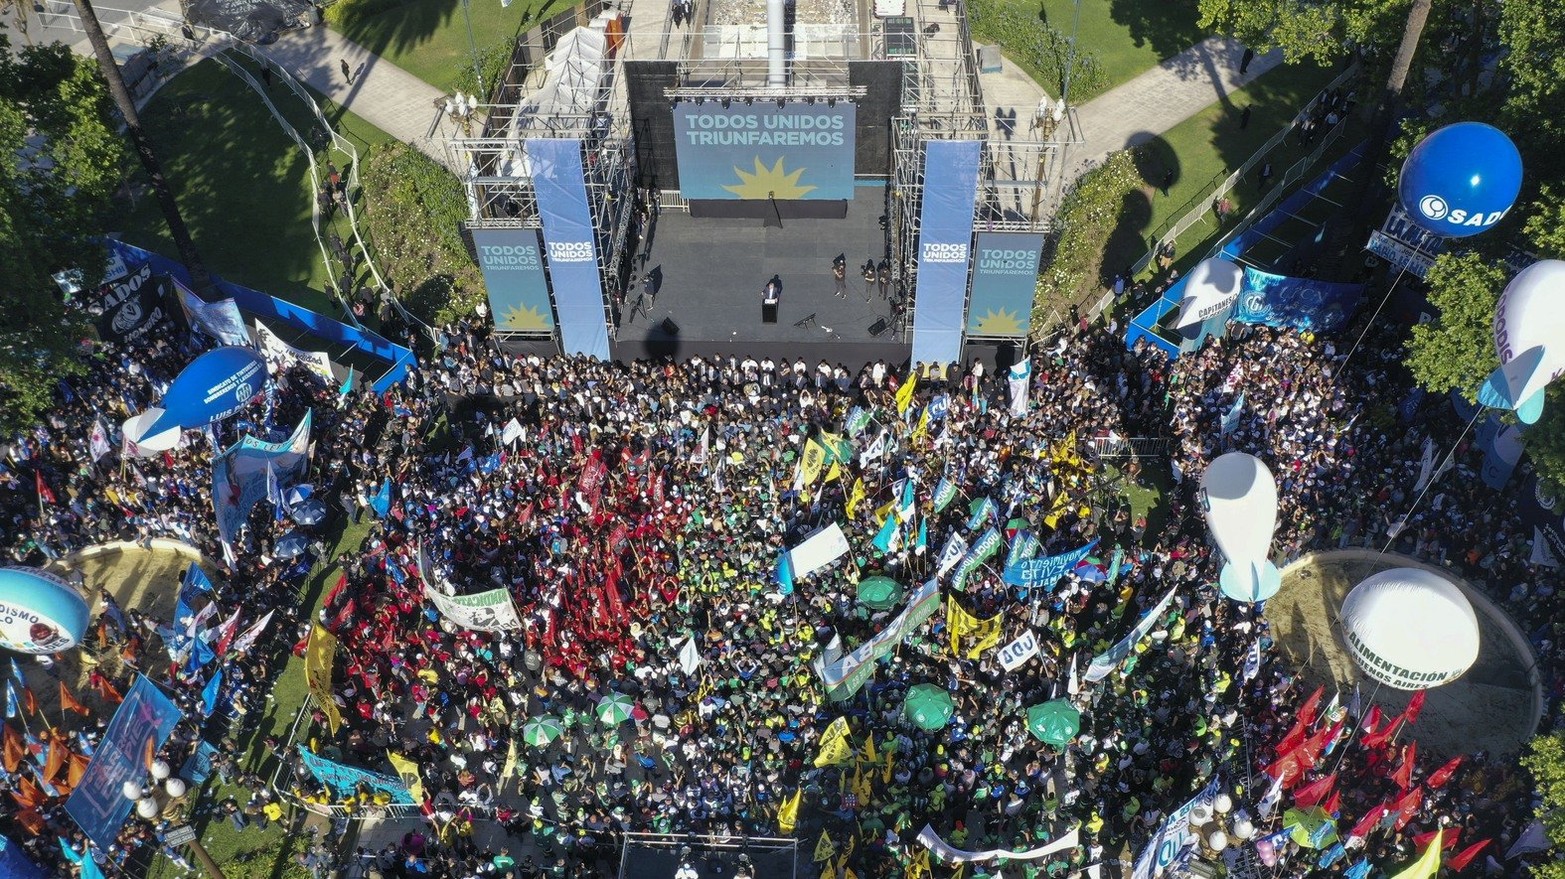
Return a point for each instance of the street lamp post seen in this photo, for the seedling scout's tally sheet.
(472, 46)
(154, 800)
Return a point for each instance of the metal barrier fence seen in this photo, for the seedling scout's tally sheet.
(1294, 174)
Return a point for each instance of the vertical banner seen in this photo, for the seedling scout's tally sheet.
(513, 272)
(1005, 277)
(950, 191)
(572, 242)
(319, 655)
(140, 726)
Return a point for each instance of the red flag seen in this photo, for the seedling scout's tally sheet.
(1312, 793)
(1309, 752)
(1295, 736)
(69, 702)
(14, 750)
(1379, 739)
(1286, 769)
(1408, 806)
(1333, 805)
(1403, 775)
(1372, 720)
(1415, 707)
(1311, 706)
(29, 701)
(1452, 834)
(45, 496)
(1460, 860)
(27, 794)
(1368, 822)
(1444, 773)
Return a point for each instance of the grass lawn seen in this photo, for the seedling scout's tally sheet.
(1127, 36)
(254, 853)
(241, 182)
(428, 38)
(1206, 148)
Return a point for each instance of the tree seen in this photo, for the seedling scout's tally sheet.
(1456, 350)
(1305, 28)
(55, 190)
(1545, 759)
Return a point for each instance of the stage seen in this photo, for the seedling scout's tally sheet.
(708, 275)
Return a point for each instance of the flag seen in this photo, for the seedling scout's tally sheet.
(10, 700)
(224, 633)
(1367, 823)
(788, 813)
(1534, 839)
(811, 462)
(1452, 836)
(1230, 420)
(784, 573)
(951, 553)
(1440, 776)
(210, 691)
(906, 507)
(69, 702)
(1403, 775)
(1072, 682)
(824, 848)
(407, 770)
(690, 656)
(1020, 381)
(1415, 707)
(1459, 861)
(45, 496)
(1372, 720)
(16, 673)
(98, 440)
(945, 493)
(981, 511)
(1381, 737)
(886, 539)
(1252, 662)
(381, 502)
(71, 854)
(836, 745)
(246, 639)
(855, 497)
(923, 424)
(1311, 706)
(1427, 865)
(922, 543)
(1406, 807)
(14, 749)
(1312, 793)
(1273, 796)
(1333, 805)
(905, 393)
(274, 492)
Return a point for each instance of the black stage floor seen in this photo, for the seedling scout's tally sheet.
(709, 274)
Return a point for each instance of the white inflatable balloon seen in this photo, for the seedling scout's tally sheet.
(1529, 336)
(1239, 496)
(1411, 629)
(148, 446)
(1211, 288)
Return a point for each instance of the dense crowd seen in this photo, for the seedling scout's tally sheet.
(636, 513)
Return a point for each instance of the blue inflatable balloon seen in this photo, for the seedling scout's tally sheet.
(214, 386)
(1461, 179)
(39, 612)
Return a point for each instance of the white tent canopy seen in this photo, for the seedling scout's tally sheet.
(1411, 629)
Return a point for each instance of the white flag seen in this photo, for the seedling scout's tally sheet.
(1534, 839)
(513, 432)
(690, 656)
(1073, 683)
(1426, 466)
(246, 639)
(99, 440)
(1252, 662)
(1542, 552)
(1268, 803)
(955, 548)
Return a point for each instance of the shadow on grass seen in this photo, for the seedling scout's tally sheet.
(1168, 26)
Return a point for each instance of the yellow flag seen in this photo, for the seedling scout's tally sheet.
(788, 813)
(836, 744)
(870, 756)
(986, 634)
(824, 848)
(408, 771)
(863, 787)
(905, 393)
(813, 460)
(510, 762)
(891, 759)
(882, 512)
(923, 424)
(1429, 864)
(319, 655)
(855, 497)
(959, 622)
(834, 471)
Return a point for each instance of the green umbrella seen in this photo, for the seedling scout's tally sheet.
(1310, 828)
(540, 731)
(1055, 722)
(614, 709)
(928, 706)
(879, 593)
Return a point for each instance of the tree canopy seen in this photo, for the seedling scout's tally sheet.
(1305, 28)
(56, 127)
(1545, 759)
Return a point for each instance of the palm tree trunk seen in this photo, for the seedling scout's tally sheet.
(1383, 126)
(199, 278)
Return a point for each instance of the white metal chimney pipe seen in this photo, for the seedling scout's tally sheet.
(776, 43)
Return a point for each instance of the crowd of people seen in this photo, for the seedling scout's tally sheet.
(635, 515)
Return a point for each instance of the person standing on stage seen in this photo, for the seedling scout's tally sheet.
(883, 274)
(869, 278)
(839, 274)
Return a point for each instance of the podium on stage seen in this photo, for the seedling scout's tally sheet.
(771, 295)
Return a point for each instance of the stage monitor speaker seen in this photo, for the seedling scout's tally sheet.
(878, 327)
(669, 327)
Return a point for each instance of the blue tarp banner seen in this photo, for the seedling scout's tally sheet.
(198, 766)
(761, 150)
(950, 190)
(140, 726)
(345, 780)
(1300, 303)
(239, 474)
(572, 243)
(513, 272)
(15, 864)
(1005, 277)
(1043, 573)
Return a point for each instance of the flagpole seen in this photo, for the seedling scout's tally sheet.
(1358, 727)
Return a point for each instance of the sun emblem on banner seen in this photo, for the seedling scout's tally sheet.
(528, 318)
(998, 322)
(773, 182)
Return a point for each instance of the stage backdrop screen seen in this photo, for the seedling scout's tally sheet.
(747, 151)
(1005, 274)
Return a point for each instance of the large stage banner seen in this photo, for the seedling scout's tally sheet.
(1005, 277)
(513, 272)
(950, 854)
(140, 726)
(940, 295)
(843, 674)
(239, 474)
(763, 150)
(1300, 303)
(572, 243)
(345, 781)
